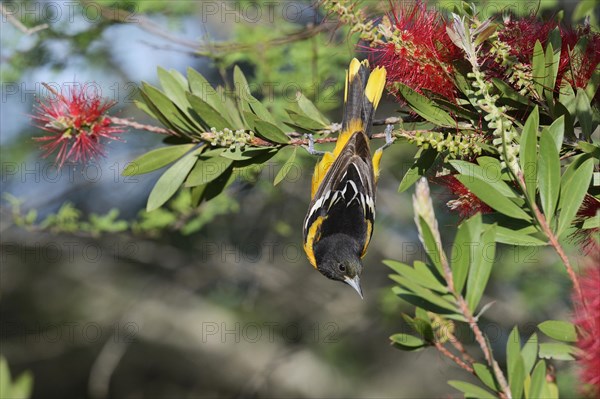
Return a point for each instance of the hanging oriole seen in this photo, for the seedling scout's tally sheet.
(339, 222)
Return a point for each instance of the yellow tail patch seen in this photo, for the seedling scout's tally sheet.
(351, 73)
(375, 85)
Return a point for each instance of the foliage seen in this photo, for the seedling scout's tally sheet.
(18, 388)
(509, 122)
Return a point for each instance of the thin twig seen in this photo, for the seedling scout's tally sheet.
(453, 357)
(141, 126)
(19, 25)
(459, 347)
(557, 247)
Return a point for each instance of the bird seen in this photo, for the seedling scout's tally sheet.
(339, 223)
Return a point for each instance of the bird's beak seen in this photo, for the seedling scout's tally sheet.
(354, 283)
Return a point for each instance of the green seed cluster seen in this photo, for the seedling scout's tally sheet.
(455, 145)
(231, 138)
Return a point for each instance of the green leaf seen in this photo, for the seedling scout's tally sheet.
(515, 237)
(470, 390)
(22, 387)
(584, 113)
(217, 186)
(407, 342)
(557, 351)
(557, 132)
(160, 104)
(528, 151)
(419, 301)
(566, 96)
(467, 235)
(242, 90)
(207, 170)
(422, 276)
(421, 326)
(285, 169)
(538, 380)
(485, 375)
(481, 267)
(425, 293)
(491, 175)
(515, 364)
(170, 181)
(492, 197)
(430, 245)
(270, 132)
(538, 68)
(304, 122)
(552, 60)
(202, 89)
(424, 159)
(573, 191)
(231, 110)
(593, 83)
(174, 90)
(425, 107)
(559, 330)
(5, 378)
(156, 159)
(209, 115)
(310, 110)
(589, 148)
(529, 353)
(548, 175)
(509, 95)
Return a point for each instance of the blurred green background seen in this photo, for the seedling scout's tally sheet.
(99, 299)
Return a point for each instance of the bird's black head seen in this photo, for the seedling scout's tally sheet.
(338, 258)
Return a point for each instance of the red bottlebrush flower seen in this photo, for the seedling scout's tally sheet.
(587, 319)
(579, 57)
(78, 123)
(577, 64)
(418, 51)
(521, 35)
(588, 239)
(466, 204)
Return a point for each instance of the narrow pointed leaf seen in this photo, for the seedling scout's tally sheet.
(538, 67)
(490, 175)
(207, 170)
(492, 197)
(557, 351)
(485, 375)
(559, 330)
(209, 115)
(481, 268)
(170, 181)
(156, 159)
(538, 379)
(548, 175)
(529, 353)
(310, 110)
(407, 342)
(425, 107)
(557, 132)
(286, 168)
(528, 152)
(467, 236)
(470, 390)
(424, 159)
(574, 190)
(584, 113)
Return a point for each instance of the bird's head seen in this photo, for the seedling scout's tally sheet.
(338, 259)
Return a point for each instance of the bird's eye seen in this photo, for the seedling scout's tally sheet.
(341, 267)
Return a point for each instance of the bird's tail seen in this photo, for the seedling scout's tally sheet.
(362, 94)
